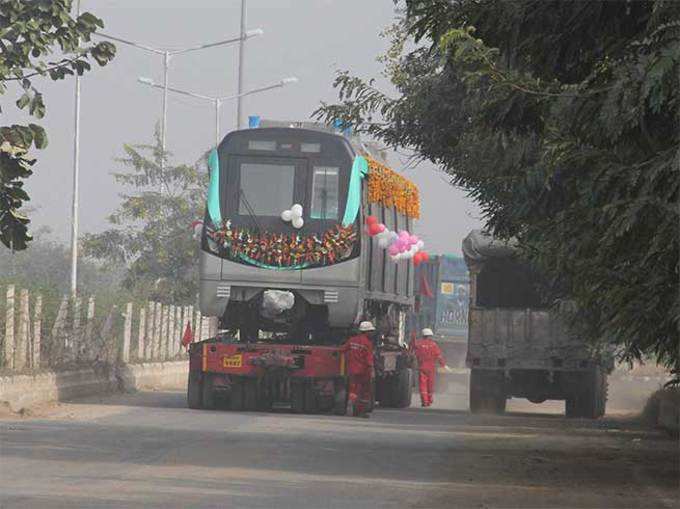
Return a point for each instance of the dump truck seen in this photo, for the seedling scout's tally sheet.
(288, 268)
(518, 345)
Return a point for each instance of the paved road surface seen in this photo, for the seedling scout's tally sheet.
(148, 450)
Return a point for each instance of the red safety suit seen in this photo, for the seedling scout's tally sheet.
(427, 352)
(359, 355)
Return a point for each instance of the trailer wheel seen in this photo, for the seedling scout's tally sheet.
(208, 392)
(250, 395)
(487, 393)
(194, 391)
(401, 397)
(236, 397)
(311, 401)
(297, 396)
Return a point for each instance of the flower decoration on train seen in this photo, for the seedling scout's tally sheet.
(285, 251)
(400, 246)
(390, 189)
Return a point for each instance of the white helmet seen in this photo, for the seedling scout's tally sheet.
(427, 332)
(366, 327)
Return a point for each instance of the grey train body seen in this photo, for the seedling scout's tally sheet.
(368, 285)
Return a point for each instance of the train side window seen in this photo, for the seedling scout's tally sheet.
(325, 192)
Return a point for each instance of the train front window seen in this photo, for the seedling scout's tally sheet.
(325, 193)
(266, 188)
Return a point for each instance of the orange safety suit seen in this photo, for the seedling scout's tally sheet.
(359, 352)
(427, 352)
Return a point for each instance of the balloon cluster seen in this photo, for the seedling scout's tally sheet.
(294, 215)
(400, 246)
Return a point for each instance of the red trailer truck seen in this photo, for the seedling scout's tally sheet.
(262, 376)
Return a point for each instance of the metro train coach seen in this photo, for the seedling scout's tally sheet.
(284, 246)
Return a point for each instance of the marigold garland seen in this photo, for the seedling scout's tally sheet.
(279, 250)
(387, 187)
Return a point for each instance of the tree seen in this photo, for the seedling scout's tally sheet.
(569, 143)
(151, 231)
(29, 33)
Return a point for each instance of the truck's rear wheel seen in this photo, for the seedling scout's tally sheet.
(194, 391)
(487, 392)
(208, 392)
(588, 398)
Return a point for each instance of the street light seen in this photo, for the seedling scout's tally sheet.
(217, 101)
(167, 54)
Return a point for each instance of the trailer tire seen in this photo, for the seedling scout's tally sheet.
(194, 391)
(402, 394)
(311, 401)
(208, 393)
(250, 395)
(236, 397)
(297, 396)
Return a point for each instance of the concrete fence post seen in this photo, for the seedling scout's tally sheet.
(156, 330)
(177, 336)
(171, 332)
(108, 336)
(37, 333)
(9, 328)
(21, 350)
(162, 349)
(58, 339)
(76, 339)
(148, 347)
(88, 337)
(141, 352)
(127, 332)
(197, 326)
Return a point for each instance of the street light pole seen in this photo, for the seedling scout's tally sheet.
(76, 178)
(217, 101)
(218, 105)
(241, 51)
(164, 121)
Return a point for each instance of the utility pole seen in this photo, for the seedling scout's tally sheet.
(76, 178)
(241, 50)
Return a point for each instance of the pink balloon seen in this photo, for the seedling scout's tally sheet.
(403, 234)
(414, 239)
(381, 228)
(393, 250)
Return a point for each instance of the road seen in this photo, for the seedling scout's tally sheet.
(148, 450)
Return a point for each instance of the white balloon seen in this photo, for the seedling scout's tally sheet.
(383, 242)
(296, 210)
(420, 244)
(298, 222)
(286, 215)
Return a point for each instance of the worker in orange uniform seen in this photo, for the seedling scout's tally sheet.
(359, 350)
(427, 352)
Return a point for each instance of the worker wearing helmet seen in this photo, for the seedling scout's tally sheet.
(359, 352)
(427, 352)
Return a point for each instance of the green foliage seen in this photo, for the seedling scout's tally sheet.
(29, 33)
(151, 230)
(561, 119)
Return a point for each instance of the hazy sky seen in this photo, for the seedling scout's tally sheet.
(309, 39)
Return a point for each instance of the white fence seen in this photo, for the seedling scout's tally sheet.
(140, 332)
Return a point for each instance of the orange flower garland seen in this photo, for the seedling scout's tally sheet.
(387, 187)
